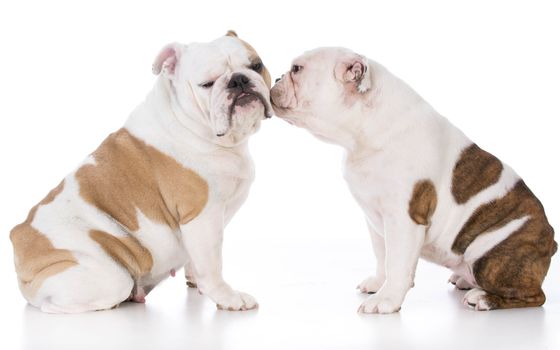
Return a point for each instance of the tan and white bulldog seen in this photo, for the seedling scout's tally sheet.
(157, 194)
(425, 188)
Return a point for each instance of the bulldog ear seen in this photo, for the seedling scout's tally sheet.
(167, 59)
(231, 33)
(355, 71)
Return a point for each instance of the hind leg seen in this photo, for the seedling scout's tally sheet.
(84, 287)
(481, 300)
(511, 274)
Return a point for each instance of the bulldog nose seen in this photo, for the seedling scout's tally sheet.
(238, 80)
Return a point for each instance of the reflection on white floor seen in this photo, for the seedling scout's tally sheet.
(305, 303)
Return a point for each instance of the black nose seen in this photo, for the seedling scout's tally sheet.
(238, 80)
(277, 80)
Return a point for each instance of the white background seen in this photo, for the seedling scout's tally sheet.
(71, 72)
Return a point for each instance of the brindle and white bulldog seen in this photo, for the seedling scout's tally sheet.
(157, 194)
(426, 189)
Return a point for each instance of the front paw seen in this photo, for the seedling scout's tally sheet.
(371, 284)
(236, 301)
(379, 305)
(383, 302)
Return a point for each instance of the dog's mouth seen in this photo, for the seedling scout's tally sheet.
(276, 106)
(285, 113)
(281, 111)
(245, 98)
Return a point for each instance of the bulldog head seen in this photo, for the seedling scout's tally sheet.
(322, 90)
(222, 85)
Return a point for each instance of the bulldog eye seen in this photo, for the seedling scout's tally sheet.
(257, 67)
(207, 85)
(296, 68)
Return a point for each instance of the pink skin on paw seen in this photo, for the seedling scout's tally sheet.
(172, 272)
(139, 299)
(138, 295)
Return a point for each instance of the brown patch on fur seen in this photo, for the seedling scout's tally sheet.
(423, 202)
(513, 271)
(266, 76)
(35, 257)
(475, 170)
(231, 33)
(127, 251)
(254, 56)
(129, 175)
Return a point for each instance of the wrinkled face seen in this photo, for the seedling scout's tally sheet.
(223, 83)
(320, 88)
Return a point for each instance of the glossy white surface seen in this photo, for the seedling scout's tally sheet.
(307, 301)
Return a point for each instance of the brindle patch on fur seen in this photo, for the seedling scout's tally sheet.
(512, 272)
(130, 175)
(498, 302)
(35, 257)
(475, 170)
(423, 202)
(517, 203)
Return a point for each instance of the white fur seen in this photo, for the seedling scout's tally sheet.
(181, 119)
(475, 298)
(392, 139)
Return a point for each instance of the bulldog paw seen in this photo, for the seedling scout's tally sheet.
(380, 303)
(189, 276)
(371, 285)
(453, 278)
(476, 298)
(460, 283)
(139, 293)
(191, 282)
(237, 301)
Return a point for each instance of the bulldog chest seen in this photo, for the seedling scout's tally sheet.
(368, 189)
